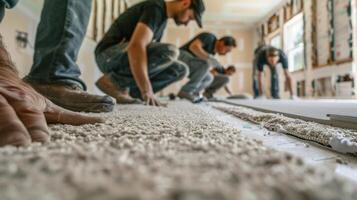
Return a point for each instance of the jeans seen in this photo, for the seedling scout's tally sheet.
(219, 81)
(274, 89)
(199, 75)
(59, 37)
(163, 66)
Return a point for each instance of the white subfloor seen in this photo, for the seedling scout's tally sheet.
(318, 109)
(312, 153)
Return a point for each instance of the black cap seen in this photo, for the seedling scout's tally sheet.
(9, 3)
(229, 41)
(199, 8)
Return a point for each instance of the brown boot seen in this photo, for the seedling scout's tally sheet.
(122, 96)
(74, 98)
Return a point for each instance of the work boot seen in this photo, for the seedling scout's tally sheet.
(122, 96)
(208, 95)
(72, 97)
(191, 97)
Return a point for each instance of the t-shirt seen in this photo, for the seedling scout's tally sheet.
(262, 59)
(150, 12)
(208, 40)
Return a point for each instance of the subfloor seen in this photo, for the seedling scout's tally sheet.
(182, 152)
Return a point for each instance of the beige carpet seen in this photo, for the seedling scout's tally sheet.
(341, 140)
(174, 153)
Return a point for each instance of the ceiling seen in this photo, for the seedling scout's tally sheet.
(244, 13)
(240, 13)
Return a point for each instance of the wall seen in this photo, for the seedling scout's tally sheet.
(311, 73)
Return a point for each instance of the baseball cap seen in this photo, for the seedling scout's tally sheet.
(199, 8)
(6, 4)
(272, 52)
(9, 3)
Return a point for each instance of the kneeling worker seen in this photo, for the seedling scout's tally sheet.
(271, 57)
(134, 62)
(198, 54)
(221, 79)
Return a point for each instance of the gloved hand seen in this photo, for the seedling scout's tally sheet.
(25, 113)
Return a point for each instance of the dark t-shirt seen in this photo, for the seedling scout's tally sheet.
(150, 12)
(262, 59)
(208, 40)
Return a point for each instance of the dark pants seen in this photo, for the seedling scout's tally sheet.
(199, 75)
(274, 89)
(163, 67)
(59, 37)
(219, 81)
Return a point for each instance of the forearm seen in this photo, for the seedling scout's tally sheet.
(260, 84)
(139, 67)
(290, 85)
(200, 53)
(228, 90)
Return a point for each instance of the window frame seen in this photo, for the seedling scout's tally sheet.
(300, 48)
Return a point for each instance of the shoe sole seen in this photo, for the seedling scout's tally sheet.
(118, 101)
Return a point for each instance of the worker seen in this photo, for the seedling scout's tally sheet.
(24, 112)
(198, 54)
(221, 79)
(271, 57)
(134, 62)
(54, 72)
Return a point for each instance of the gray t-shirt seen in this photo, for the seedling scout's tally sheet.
(150, 12)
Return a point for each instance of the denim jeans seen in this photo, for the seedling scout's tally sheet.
(219, 81)
(59, 37)
(163, 66)
(199, 75)
(274, 89)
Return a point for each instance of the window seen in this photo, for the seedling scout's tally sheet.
(276, 41)
(294, 43)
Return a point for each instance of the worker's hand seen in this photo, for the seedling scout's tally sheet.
(286, 85)
(25, 113)
(151, 100)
